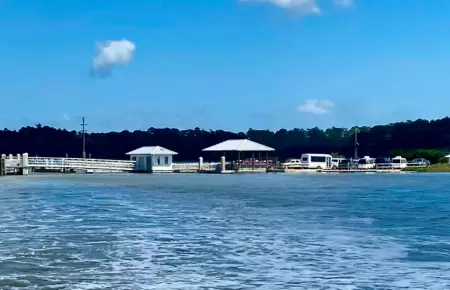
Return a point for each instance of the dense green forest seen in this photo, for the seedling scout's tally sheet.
(421, 138)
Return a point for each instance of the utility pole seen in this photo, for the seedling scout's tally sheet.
(83, 132)
(356, 143)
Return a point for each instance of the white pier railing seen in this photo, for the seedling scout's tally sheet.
(80, 163)
(185, 166)
(195, 166)
(398, 166)
(24, 161)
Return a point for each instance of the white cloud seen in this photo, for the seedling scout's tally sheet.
(112, 53)
(303, 6)
(316, 107)
(343, 2)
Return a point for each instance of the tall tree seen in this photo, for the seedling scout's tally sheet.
(420, 138)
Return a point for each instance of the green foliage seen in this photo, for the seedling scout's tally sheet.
(337, 155)
(439, 167)
(411, 139)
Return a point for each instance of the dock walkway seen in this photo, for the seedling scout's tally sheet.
(23, 164)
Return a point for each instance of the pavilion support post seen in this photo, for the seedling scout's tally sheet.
(222, 164)
(253, 161)
(238, 165)
(267, 161)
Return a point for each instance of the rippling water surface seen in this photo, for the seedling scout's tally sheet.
(225, 232)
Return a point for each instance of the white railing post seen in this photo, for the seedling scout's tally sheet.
(25, 164)
(200, 163)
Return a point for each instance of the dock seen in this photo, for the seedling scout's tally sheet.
(347, 171)
(24, 164)
(360, 171)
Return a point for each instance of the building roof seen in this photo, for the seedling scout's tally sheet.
(240, 145)
(152, 150)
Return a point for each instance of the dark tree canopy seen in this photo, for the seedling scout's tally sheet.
(421, 138)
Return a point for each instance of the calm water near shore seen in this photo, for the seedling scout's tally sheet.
(267, 231)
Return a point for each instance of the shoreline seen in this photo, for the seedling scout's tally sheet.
(436, 168)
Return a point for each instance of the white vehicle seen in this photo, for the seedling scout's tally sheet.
(399, 162)
(317, 161)
(366, 163)
(337, 161)
(292, 163)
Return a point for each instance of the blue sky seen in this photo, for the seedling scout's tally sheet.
(226, 64)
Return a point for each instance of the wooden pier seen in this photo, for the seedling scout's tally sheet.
(23, 164)
(280, 170)
(360, 171)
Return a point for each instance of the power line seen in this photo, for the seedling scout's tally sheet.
(83, 132)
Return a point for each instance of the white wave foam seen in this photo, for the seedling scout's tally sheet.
(224, 236)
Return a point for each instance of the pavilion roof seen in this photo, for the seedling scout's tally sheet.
(240, 145)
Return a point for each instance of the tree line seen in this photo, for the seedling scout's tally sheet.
(420, 138)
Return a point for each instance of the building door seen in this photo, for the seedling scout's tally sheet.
(329, 162)
(141, 163)
(149, 164)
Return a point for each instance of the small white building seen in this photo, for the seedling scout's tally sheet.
(153, 159)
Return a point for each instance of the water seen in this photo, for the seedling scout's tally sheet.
(225, 232)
